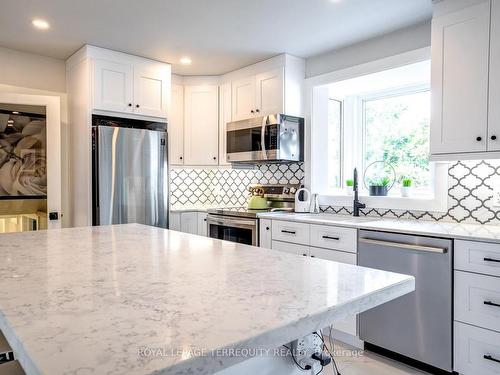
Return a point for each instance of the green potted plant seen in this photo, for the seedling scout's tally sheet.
(379, 187)
(406, 187)
(349, 185)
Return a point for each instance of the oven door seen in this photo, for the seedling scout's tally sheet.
(241, 230)
(250, 140)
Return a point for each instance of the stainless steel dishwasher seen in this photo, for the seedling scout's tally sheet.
(417, 325)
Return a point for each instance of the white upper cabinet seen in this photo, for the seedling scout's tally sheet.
(112, 86)
(244, 102)
(201, 125)
(176, 125)
(224, 118)
(151, 85)
(460, 59)
(494, 106)
(270, 92)
(129, 84)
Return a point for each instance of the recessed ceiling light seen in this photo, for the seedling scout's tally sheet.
(40, 24)
(185, 61)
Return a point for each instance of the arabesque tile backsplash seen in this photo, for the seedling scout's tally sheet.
(470, 190)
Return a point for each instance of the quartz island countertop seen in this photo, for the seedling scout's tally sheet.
(133, 299)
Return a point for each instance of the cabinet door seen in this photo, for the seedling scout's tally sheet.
(348, 325)
(202, 224)
(176, 125)
(270, 92)
(224, 117)
(189, 222)
(265, 233)
(243, 98)
(494, 107)
(460, 49)
(112, 86)
(151, 85)
(174, 221)
(201, 125)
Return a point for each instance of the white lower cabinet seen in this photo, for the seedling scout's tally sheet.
(291, 248)
(265, 234)
(189, 222)
(477, 350)
(476, 308)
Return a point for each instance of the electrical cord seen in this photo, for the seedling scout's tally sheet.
(334, 364)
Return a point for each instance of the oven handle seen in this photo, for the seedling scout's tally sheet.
(238, 223)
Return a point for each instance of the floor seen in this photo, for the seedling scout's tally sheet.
(351, 361)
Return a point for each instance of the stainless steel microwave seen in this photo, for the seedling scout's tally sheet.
(268, 139)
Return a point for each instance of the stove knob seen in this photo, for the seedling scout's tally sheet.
(293, 190)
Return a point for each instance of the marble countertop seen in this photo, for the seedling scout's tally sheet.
(133, 299)
(473, 232)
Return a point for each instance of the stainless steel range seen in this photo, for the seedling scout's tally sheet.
(241, 224)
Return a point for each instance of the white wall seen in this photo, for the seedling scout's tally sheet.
(33, 71)
(409, 39)
(26, 73)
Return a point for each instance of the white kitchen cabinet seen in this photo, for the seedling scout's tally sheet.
(113, 86)
(494, 107)
(174, 221)
(258, 95)
(151, 90)
(270, 92)
(290, 248)
(201, 125)
(128, 87)
(460, 59)
(225, 116)
(265, 233)
(189, 222)
(243, 98)
(176, 125)
(202, 224)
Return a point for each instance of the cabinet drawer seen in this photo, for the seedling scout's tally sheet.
(336, 238)
(477, 300)
(291, 248)
(480, 257)
(289, 231)
(334, 255)
(477, 350)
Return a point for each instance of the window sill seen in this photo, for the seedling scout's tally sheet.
(388, 202)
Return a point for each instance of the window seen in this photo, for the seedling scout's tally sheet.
(378, 117)
(396, 130)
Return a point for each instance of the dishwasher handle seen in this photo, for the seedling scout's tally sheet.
(405, 246)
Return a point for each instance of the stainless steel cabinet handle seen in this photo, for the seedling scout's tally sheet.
(331, 238)
(405, 246)
(287, 231)
(489, 303)
(490, 358)
(491, 260)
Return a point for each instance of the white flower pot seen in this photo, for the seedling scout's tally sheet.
(405, 191)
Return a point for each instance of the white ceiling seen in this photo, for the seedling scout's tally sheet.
(219, 35)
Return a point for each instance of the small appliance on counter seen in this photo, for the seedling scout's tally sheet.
(242, 224)
(302, 200)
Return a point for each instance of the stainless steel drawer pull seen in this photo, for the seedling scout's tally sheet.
(489, 303)
(331, 238)
(288, 231)
(491, 260)
(490, 358)
(404, 246)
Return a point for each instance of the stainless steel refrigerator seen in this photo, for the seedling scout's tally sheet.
(130, 172)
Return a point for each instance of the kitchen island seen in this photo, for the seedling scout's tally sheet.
(133, 299)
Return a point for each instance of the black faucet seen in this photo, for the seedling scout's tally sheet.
(356, 204)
